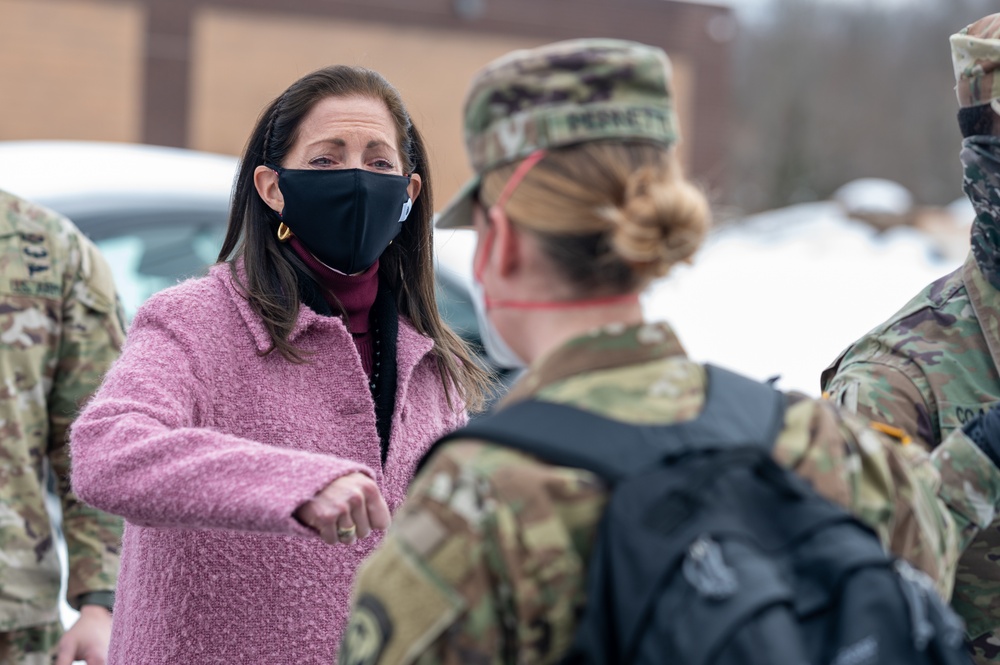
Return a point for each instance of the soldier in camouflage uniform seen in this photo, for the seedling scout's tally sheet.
(579, 203)
(60, 329)
(932, 369)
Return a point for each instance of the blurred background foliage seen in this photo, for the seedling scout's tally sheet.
(826, 92)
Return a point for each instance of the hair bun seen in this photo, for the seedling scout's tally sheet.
(662, 220)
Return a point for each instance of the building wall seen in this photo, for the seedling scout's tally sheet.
(198, 72)
(245, 59)
(71, 69)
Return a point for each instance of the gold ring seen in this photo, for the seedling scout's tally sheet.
(349, 531)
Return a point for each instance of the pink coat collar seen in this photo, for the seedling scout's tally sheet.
(411, 347)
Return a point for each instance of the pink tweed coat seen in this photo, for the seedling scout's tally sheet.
(207, 448)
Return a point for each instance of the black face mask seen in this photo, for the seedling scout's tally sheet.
(345, 217)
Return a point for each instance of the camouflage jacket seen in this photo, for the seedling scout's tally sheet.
(929, 370)
(60, 329)
(486, 561)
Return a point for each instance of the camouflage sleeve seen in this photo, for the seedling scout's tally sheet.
(892, 487)
(91, 338)
(884, 393)
(970, 484)
(482, 564)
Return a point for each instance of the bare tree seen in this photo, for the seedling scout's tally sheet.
(829, 92)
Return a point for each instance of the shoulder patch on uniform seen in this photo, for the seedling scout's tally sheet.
(848, 397)
(368, 631)
(895, 432)
(422, 531)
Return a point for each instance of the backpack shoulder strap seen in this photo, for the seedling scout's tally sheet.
(738, 412)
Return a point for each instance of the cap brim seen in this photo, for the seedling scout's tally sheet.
(458, 213)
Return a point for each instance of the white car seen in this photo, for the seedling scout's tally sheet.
(157, 214)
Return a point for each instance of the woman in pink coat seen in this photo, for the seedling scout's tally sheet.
(264, 421)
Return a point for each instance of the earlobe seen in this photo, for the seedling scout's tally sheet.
(265, 180)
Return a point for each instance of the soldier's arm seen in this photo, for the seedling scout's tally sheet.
(966, 480)
(883, 392)
(970, 485)
(485, 563)
(891, 486)
(427, 595)
(91, 338)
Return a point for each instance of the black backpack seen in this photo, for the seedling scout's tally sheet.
(709, 552)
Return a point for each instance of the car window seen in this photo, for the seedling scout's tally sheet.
(145, 260)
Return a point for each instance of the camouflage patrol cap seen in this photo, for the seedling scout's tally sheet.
(975, 52)
(561, 94)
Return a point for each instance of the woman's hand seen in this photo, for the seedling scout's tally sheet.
(87, 639)
(345, 510)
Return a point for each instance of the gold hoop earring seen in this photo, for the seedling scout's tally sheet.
(284, 233)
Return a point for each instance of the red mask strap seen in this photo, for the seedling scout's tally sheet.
(518, 175)
(508, 189)
(624, 299)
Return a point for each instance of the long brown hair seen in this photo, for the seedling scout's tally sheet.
(406, 267)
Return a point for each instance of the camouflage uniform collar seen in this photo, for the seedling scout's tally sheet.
(614, 345)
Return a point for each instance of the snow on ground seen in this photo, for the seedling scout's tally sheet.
(786, 291)
(874, 195)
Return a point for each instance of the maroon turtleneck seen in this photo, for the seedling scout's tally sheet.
(356, 294)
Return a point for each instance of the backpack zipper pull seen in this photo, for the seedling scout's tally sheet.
(707, 571)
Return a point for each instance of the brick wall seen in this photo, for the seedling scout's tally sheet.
(196, 73)
(70, 69)
(243, 60)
